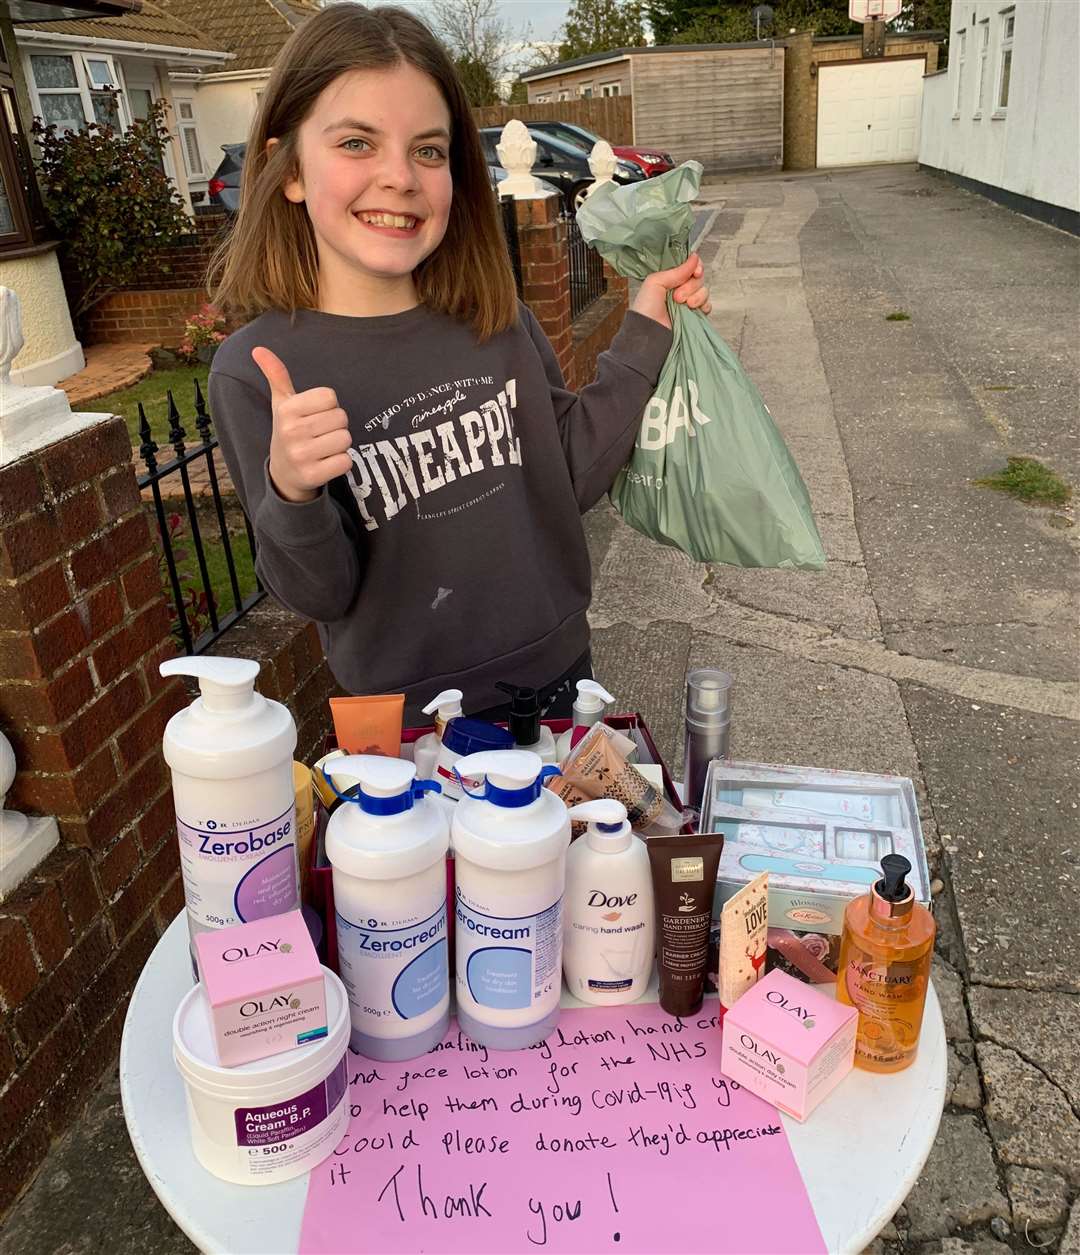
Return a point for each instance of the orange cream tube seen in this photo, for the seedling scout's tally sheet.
(369, 725)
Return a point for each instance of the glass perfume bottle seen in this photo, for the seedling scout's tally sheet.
(884, 968)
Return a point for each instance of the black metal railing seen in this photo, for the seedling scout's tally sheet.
(192, 606)
(587, 280)
(508, 218)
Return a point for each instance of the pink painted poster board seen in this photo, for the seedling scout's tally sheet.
(617, 1134)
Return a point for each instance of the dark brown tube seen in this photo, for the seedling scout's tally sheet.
(684, 882)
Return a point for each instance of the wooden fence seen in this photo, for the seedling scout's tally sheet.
(609, 116)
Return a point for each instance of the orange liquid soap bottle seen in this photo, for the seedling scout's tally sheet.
(884, 969)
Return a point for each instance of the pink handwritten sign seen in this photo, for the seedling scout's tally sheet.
(617, 1134)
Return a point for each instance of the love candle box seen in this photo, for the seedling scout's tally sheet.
(265, 987)
(788, 1043)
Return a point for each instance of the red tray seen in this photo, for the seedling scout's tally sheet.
(322, 882)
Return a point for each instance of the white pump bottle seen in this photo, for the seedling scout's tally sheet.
(588, 709)
(446, 706)
(231, 753)
(387, 846)
(510, 840)
(610, 930)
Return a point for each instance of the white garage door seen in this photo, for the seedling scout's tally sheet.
(869, 112)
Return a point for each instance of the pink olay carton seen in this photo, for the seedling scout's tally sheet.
(788, 1043)
(265, 987)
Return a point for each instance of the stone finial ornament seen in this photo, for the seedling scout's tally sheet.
(11, 336)
(602, 164)
(24, 841)
(516, 151)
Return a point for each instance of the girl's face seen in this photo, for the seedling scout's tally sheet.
(374, 157)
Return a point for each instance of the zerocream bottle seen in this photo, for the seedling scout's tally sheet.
(231, 757)
(387, 845)
(510, 837)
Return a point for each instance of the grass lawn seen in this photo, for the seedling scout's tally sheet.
(220, 584)
(151, 391)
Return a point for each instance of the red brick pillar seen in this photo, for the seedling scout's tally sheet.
(545, 272)
(83, 625)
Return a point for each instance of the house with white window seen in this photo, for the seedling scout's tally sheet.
(1004, 118)
(72, 62)
(254, 32)
(112, 70)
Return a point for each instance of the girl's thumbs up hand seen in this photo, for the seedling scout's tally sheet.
(684, 282)
(310, 437)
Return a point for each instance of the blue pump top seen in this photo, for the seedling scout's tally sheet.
(511, 797)
(512, 778)
(391, 787)
(473, 736)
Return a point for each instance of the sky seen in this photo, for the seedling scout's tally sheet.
(546, 17)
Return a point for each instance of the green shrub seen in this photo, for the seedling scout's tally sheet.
(111, 202)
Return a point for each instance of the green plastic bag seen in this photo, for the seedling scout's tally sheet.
(710, 473)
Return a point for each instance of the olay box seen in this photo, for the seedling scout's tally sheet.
(788, 1043)
(265, 987)
(322, 882)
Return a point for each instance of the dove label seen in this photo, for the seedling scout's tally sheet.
(611, 901)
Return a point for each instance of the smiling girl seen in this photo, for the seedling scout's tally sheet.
(394, 419)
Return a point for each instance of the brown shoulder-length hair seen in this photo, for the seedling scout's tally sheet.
(270, 260)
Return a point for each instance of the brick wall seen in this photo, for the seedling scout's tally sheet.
(83, 626)
(593, 331)
(545, 271)
(152, 308)
(184, 265)
(142, 317)
(801, 87)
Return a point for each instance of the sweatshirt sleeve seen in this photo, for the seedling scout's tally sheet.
(599, 424)
(307, 553)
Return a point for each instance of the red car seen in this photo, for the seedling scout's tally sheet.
(650, 160)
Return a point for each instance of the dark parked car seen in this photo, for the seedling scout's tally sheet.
(651, 161)
(224, 185)
(564, 165)
(499, 175)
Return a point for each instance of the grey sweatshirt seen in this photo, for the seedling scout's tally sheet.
(453, 555)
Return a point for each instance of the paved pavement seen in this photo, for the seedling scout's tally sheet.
(940, 642)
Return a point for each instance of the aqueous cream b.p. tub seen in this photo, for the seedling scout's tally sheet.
(271, 1119)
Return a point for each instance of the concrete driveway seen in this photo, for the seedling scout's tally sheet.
(940, 642)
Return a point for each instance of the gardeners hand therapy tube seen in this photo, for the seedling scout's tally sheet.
(684, 880)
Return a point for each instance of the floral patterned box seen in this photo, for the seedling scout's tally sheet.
(821, 836)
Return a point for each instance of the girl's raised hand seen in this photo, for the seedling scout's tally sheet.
(684, 282)
(310, 434)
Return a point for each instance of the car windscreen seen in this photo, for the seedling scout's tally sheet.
(558, 147)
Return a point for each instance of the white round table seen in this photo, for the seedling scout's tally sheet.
(859, 1153)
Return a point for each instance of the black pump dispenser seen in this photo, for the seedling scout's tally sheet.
(892, 897)
(524, 719)
(896, 868)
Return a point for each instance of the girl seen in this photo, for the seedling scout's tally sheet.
(394, 421)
